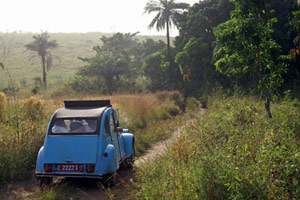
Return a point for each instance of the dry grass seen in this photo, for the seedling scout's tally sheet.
(2, 104)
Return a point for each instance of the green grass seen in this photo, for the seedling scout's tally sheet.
(59, 192)
(233, 152)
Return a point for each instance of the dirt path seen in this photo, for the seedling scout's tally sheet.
(161, 147)
(91, 189)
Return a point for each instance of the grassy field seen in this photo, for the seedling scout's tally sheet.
(232, 152)
(23, 125)
(24, 65)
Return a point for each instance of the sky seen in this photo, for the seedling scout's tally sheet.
(78, 16)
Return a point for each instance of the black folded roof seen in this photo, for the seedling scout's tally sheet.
(82, 109)
(87, 104)
(79, 113)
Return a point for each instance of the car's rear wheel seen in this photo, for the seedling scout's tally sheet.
(110, 179)
(45, 181)
(129, 161)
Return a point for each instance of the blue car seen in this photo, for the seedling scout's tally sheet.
(84, 140)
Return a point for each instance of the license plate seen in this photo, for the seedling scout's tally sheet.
(69, 168)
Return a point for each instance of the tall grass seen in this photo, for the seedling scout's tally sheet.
(22, 131)
(233, 152)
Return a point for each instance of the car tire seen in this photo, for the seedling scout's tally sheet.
(45, 181)
(129, 161)
(110, 179)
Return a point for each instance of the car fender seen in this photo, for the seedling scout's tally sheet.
(40, 160)
(128, 139)
(109, 161)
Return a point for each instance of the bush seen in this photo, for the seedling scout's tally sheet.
(178, 100)
(162, 96)
(192, 104)
(203, 100)
(166, 110)
(33, 109)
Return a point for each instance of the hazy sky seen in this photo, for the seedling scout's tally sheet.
(78, 16)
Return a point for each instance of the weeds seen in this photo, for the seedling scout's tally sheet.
(21, 136)
(59, 192)
(233, 152)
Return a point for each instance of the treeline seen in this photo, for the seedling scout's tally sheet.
(117, 66)
(252, 43)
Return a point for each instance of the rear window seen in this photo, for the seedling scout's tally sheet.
(74, 126)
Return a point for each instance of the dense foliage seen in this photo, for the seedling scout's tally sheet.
(246, 48)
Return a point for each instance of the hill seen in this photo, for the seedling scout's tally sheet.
(23, 66)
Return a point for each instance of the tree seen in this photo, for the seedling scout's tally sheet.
(155, 69)
(120, 62)
(168, 12)
(195, 46)
(107, 65)
(246, 47)
(1, 65)
(41, 45)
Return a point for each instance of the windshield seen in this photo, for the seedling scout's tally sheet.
(74, 126)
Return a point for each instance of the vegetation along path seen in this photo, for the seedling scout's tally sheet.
(161, 147)
(92, 189)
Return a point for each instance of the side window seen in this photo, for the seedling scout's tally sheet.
(112, 123)
(106, 128)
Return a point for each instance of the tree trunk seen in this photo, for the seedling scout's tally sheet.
(169, 54)
(44, 72)
(267, 104)
(109, 84)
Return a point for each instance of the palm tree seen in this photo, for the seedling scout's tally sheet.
(167, 15)
(41, 45)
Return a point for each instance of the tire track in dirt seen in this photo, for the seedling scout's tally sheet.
(161, 147)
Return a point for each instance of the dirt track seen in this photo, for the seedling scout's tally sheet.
(92, 189)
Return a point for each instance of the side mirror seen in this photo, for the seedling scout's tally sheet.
(119, 129)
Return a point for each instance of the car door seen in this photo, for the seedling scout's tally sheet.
(114, 135)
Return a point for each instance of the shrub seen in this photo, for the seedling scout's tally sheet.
(178, 99)
(162, 96)
(166, 110)
(192, 104)
(33, 109)
(203, 100)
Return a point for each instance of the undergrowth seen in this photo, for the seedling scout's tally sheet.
(22, 131)
(232, 152)
(59, 192)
